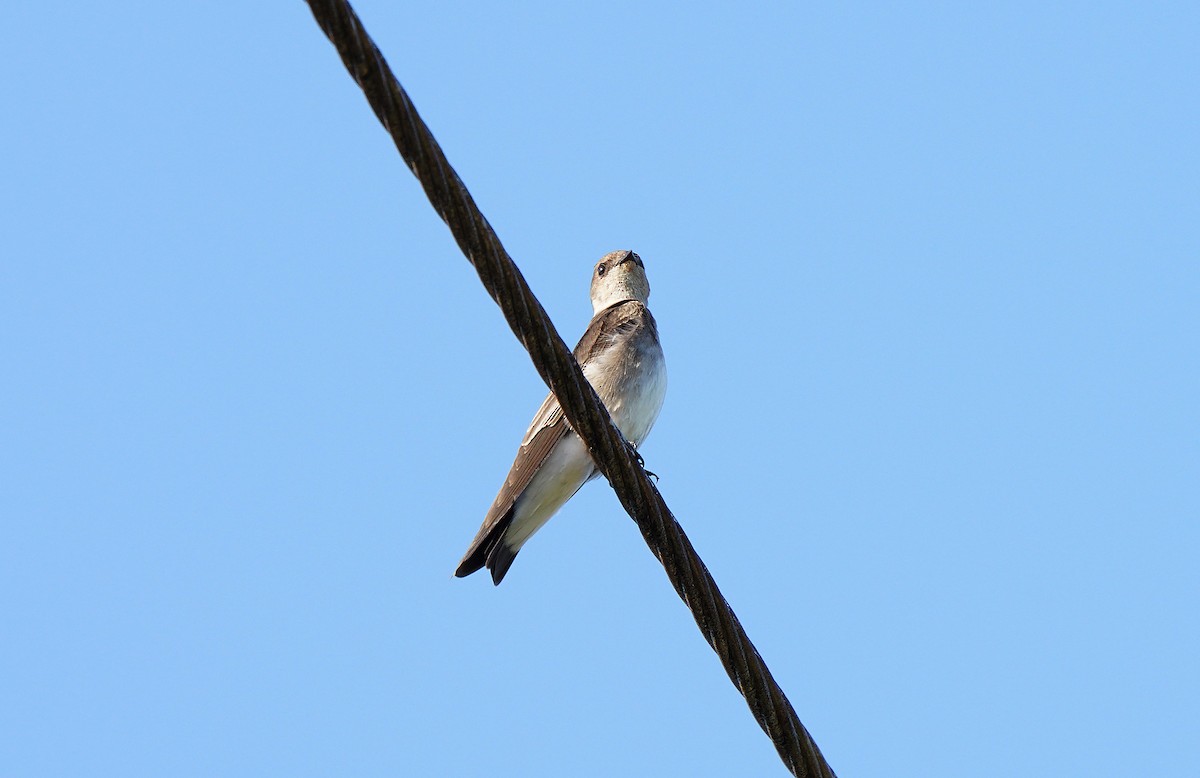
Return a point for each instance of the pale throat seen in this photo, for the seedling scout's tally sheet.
(618, 291)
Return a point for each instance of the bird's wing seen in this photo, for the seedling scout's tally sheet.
(545, 431)
(613, 321)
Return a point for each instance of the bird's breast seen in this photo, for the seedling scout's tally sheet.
(631, 379)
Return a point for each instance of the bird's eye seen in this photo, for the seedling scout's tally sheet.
(601, 269)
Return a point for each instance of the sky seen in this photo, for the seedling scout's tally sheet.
(926, 277)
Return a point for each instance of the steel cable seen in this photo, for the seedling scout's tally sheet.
(583, 409)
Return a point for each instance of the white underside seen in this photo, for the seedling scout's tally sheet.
(568, 466)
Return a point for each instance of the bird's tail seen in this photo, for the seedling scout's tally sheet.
(489, 549)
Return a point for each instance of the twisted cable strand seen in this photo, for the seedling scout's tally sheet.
(558, 368)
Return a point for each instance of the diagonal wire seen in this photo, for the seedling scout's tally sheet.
(583, 409)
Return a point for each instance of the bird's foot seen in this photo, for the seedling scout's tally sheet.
(641, 462)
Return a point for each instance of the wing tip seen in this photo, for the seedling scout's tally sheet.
(467, 566)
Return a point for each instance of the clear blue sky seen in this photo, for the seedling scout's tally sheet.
(927, 279)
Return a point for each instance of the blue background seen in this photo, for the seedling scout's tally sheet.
(927, 279)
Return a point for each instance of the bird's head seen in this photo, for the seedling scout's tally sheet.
(619, 275)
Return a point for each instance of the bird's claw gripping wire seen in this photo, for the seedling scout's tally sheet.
(642, 462)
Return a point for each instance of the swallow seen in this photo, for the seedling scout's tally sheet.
(622, 358)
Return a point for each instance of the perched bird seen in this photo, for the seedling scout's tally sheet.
(622, 359)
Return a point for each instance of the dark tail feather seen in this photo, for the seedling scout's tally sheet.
(499, 559)
(484, 550)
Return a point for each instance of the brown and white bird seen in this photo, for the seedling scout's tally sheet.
(622, 359)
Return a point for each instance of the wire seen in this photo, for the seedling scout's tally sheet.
(588, 417)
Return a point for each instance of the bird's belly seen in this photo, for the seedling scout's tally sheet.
(567, 468)
(635, 400)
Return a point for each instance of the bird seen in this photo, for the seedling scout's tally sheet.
(622, 358)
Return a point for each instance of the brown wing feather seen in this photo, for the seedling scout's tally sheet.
(545, 431)
(529, 458)
(605, 326)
